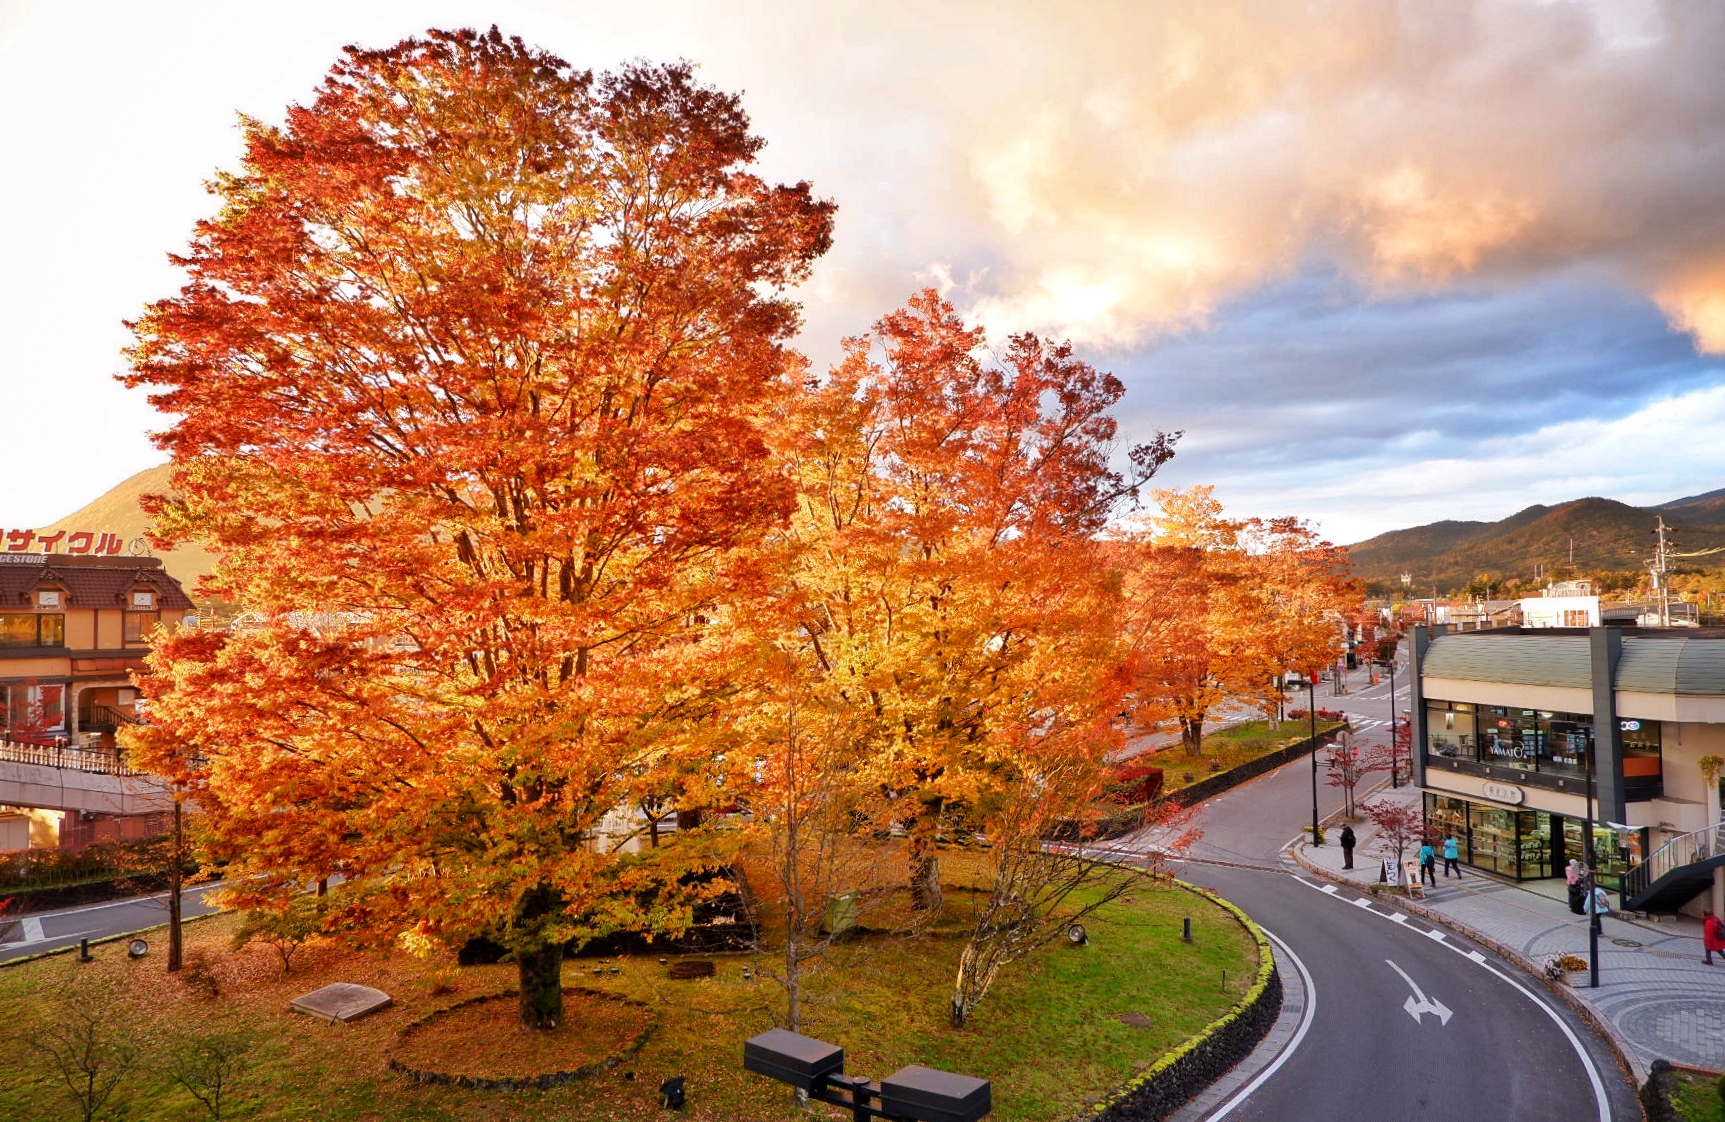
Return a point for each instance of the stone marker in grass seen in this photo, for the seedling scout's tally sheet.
(340, 1001)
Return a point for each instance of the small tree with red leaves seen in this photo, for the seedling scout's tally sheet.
(1347, 767)
(1399, 827)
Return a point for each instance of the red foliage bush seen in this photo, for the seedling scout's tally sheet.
(1131, 783)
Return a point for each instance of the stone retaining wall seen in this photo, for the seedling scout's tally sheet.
(1175, 1078)
(1130, 819)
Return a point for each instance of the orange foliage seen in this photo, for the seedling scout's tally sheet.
(470, 373)
(1223, 607)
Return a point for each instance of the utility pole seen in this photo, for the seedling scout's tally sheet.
(1660, 584)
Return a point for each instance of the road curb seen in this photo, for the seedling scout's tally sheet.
(1583, 1008)
(104, 940)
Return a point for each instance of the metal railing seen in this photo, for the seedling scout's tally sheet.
(1685, 849)
(98, 761)
(107, 717)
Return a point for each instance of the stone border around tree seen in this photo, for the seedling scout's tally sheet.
(527, 1082)
(1181, 1074)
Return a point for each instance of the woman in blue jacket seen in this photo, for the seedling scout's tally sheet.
(1451, 857)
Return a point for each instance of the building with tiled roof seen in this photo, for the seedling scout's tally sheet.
(72, 629)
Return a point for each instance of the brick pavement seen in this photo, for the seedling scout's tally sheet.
(1654, 991)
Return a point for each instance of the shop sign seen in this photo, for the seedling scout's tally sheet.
(1629, 726)
(1504, 793)
(72, 542)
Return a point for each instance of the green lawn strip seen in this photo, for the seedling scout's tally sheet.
(1228, 749)
(1047, 1035)
(1697, 1097)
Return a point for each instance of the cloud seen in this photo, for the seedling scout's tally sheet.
(1156, 158)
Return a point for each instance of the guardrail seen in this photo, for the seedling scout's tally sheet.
(97, 761)
(1685, 849)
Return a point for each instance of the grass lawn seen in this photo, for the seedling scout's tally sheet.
(1697, 1097)
(1048, 1034)
(1229, 748)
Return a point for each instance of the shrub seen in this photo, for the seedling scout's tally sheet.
(1130, 783)
(209, 1067)
(199, 974)
(286, 929)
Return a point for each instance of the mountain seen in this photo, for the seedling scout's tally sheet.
(1707, 509)
(1596, 533)
(118, 512)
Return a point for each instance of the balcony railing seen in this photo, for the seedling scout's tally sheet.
(99, 761)
(1685, 849)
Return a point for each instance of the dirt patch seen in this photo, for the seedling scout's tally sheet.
(480, 1042)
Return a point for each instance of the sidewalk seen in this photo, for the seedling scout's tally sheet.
(1654, 989)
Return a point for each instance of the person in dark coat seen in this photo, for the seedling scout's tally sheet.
(1577, 878)
(1347, 847)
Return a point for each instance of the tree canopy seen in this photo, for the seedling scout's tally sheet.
(469, 375)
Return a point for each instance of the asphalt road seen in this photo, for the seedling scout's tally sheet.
(46, 931)
(1379, 1044)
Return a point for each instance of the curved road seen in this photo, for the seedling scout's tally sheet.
(1405, 1022)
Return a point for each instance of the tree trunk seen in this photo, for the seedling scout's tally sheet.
(176, 871)
(924, 867)
(541, 975)
(1192, 735)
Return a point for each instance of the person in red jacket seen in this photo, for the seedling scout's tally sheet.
(1712, 935)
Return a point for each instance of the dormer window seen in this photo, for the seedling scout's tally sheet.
(143, 601)
(48, 599)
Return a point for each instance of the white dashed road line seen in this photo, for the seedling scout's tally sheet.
(1440, 937)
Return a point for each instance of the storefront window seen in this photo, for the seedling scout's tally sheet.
(1564, 744)
(1494, 841)
(1533, 831)
(1450, 725)
(1529, 740)
(1643, 777)
(1509, 739)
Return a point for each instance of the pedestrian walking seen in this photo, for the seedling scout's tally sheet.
(1712, 936)
(1347, 847)
(1428, 865)
(1451, 857)
(1576, 876)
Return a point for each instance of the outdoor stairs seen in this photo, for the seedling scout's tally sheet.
(1675, 872)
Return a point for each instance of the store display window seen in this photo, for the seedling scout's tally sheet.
(1451, 729)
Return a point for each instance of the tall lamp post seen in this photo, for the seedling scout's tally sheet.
(1312, 712)
(1395, 756)
(1593, 924)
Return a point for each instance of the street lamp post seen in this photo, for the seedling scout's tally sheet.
(1395, 754)
(1312, 712)
(1593, 924)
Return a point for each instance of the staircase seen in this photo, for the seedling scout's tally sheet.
(1677, 870)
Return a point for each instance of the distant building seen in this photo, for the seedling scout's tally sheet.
(1523, 736)
(72, 629)
(1560, 611)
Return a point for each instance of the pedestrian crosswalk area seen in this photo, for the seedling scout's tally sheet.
(1384, 910)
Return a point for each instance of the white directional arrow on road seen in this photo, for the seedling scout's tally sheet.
(1419, 1005)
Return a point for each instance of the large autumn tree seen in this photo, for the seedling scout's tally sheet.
(1228, 605)
(948, 495)
(468, 378)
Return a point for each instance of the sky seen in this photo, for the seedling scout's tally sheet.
(1382, 263)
